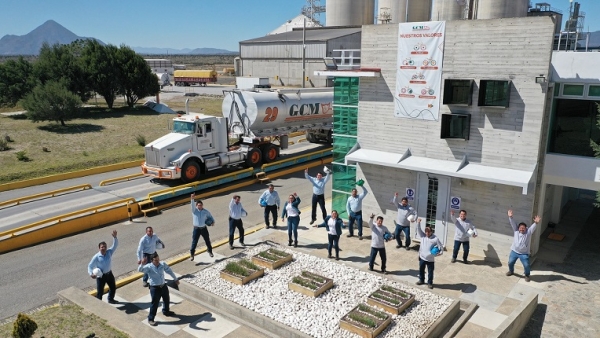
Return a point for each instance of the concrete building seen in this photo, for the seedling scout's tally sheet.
(513, 129)
(279, 56)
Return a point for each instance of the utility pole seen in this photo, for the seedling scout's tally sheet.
(304, 53)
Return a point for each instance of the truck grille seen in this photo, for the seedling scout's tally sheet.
(152, 157)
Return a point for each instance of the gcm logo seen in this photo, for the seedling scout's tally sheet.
(270, 114)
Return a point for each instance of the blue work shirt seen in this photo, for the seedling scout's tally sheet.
(201, 217)
(103, 262)
(318, 184)
(147, 245)
(236, 211)
(271, 198)
(156, 274)
(354, 204)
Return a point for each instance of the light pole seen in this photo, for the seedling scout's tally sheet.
(304, 53)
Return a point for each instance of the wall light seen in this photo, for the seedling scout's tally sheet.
(540, 79)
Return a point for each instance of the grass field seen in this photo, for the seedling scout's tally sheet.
(66, 321)
(99, 137)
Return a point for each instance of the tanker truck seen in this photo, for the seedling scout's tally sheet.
(254, 127)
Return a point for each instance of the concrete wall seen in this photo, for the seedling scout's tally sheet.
(514, 324)
(573, 67)
(500, 49)
(289, 71)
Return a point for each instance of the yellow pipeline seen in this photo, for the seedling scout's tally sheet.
(65, 225)
(52, 193)
(122, 178)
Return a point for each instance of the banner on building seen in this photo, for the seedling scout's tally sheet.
(419, 70)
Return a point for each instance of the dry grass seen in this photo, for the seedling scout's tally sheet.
(66, 321)
(98, 137)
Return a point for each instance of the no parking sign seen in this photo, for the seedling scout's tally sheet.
(410, 194)
(455, 202)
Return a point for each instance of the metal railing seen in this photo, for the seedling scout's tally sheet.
(53, 193)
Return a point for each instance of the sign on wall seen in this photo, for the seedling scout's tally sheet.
(455, 203)
(419, 70)
(410, 194)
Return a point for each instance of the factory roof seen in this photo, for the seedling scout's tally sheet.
(320, 34)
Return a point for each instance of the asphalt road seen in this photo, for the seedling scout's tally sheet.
(32, 276)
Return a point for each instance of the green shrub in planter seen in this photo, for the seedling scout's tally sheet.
(24, 327)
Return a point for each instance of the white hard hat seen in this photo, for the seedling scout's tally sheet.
(97, 272)
(411, 218)
(326, 170)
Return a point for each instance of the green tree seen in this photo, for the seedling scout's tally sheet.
(137, 80)
(100, 62)
(596, 149)
(16, 81)
(63, 63)
(51, 102)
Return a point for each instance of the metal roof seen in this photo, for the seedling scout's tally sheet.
(312, 35)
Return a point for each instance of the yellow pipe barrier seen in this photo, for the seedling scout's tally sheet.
(292, 159)
(118, 179)
(66, 176)
(64, 225)
(17, 201)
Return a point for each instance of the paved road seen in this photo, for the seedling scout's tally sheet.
(32, 276)
(32, 211)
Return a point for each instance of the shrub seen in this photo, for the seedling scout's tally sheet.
(22, 156)
(85, 153)
(141, 140)
(3, 145)
(24, 327)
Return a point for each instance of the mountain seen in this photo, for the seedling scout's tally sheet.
(594, 41)
(52, 33)
(30, 43)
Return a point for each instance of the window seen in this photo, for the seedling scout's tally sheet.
(458, 91)
(494, 93)
(572, 90)
(208, 128)
(594, 91)
(574, 124)
(456, 126)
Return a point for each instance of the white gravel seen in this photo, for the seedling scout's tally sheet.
(319, 317)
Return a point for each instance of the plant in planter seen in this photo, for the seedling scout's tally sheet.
(310, 284)
(365, 321)
(272, 258)
(241, 272)
(391, 299)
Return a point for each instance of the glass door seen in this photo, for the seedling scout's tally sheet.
(433, 193)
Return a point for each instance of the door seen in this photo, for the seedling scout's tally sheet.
(433, 193)
(204, 137)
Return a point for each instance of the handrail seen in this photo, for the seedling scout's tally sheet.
(122, 178)
(17, 201)
(61, 218)
(277, 164)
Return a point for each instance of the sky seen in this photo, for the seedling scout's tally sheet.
(181, 24)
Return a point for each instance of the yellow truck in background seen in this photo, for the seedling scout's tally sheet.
(192, 77)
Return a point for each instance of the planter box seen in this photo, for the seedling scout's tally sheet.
(241, 280)
(363, 330)
(322, 287)
(264, 262)
(393, 293)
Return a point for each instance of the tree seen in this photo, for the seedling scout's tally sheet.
(63, 63)
(100, 62)
(51, 102)
(137, 80)
(16, 81)
(596, 148)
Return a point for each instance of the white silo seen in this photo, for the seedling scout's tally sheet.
(394, 11)
(497, 9)
(349, 12)
(443, 10)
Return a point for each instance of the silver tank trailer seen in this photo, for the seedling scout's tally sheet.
(268, 113)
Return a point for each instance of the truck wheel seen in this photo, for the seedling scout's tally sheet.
(190, 171)
(311, 138)
(330, 137)
(254, 158)
(270, 153)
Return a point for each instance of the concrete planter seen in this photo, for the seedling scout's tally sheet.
(380, 320)
(320, 283)
(391, 299)
(241, 279)
(279, 259)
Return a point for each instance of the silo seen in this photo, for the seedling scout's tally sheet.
(417, 10)
(349, 12)
(497, 9)
(443, 10)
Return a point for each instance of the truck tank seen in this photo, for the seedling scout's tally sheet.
(262, 113)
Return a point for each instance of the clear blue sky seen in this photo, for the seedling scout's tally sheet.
(180, 23)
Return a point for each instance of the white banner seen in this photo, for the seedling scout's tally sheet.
(419, 72)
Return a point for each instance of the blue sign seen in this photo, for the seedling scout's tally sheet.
(410, 194)
(455, 203)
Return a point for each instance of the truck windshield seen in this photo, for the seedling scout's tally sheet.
(183, 127)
